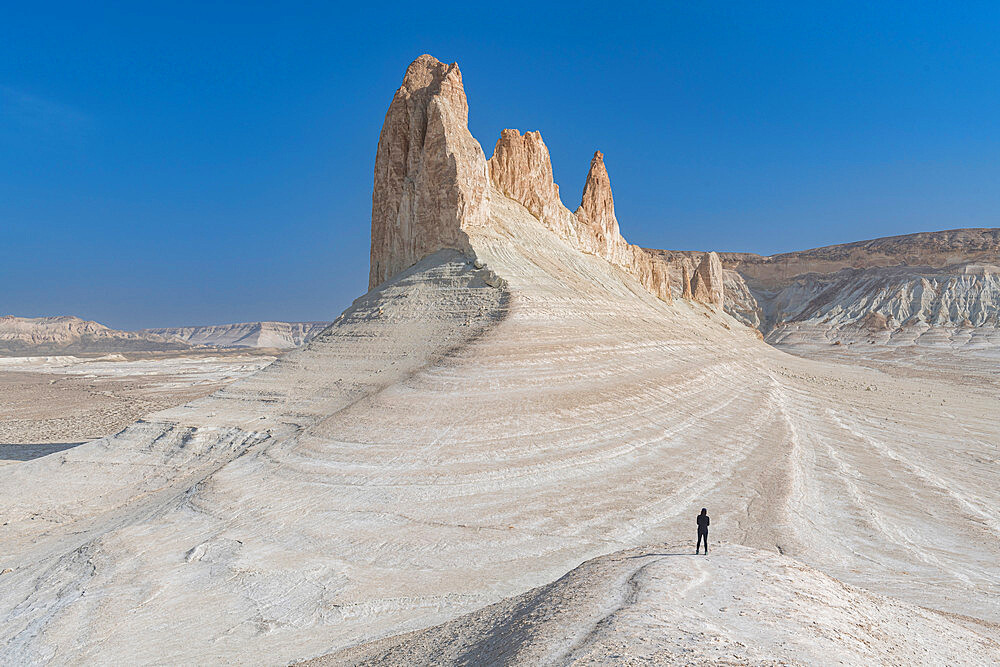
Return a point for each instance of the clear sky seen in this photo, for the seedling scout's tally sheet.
(194, 163)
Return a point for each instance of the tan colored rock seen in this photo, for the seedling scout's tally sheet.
(522, 170)
(433, 183)
(687, 268)
(599, 234)
(430, 173)
(707, 284)
(597, 208)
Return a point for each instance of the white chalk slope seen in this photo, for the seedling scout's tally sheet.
(665, 606)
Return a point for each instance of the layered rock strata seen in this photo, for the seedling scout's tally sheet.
(931, 286)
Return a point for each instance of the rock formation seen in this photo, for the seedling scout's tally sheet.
(522, 170)
(597, 213)
(447, 443)
(430, 173)
(707, 284)
(687, 269)
(432, 182)
(24, 336)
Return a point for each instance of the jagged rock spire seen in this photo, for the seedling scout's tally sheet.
(522, 170)
(430, 173)
(433, 184)
(686, 269)
(597, 206)
(707, 284)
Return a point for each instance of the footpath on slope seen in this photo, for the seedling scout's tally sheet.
(662, 605)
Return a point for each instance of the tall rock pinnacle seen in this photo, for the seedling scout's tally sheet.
(522, 170)
(707, 285)
(597, 208)
(430, 173)
(597, 227)
(686, 270)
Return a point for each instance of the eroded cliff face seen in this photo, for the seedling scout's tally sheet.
(433, 183)
(430, 173)
(597, 228)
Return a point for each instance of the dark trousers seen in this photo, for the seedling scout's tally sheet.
(702, 535)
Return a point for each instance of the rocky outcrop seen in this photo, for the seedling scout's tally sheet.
(596, 213)
(686, 270)
(522, 170)
(944, 280)
(432, 183)
(597, 228)
(707, 285)
(430, 173)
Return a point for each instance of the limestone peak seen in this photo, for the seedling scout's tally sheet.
(430, 173)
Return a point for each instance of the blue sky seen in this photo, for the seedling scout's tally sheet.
(194, 163)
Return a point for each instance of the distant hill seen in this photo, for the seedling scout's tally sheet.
(20, 336)
(281, 335)
(26, 336)
(919, 285)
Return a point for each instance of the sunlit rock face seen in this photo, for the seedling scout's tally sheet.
(597, 212)
(600, 235)
(433, 183)
(430, 174)
(522, 170)
(707, 284)
(687, 269)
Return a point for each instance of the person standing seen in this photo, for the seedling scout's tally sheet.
(702, 530)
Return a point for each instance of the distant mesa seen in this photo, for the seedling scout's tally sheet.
(916, 284)
(27, 336)
(67, 335)
(279, 335)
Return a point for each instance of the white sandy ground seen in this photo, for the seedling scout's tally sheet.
(664, 606)
(59, 400)
(446, 445)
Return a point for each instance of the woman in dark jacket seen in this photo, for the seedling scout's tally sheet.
(702, 530)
